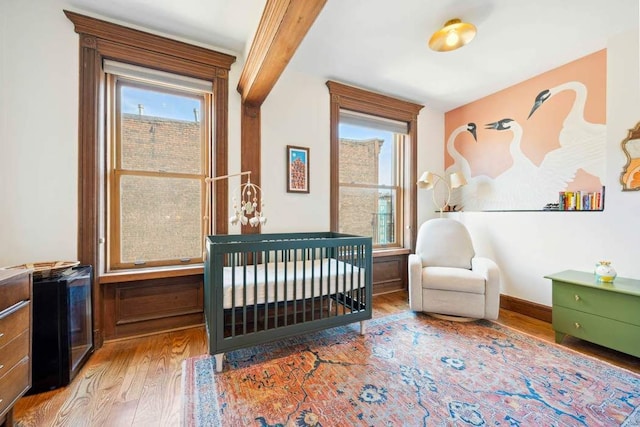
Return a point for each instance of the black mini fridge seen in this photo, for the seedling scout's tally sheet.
(62, 327)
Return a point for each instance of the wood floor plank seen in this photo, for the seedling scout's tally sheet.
(138, 381)
(160, 399)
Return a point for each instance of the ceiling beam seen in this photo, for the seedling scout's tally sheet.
(283, 25)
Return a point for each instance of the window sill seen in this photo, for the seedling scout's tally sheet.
(380, 253)
(164, 272)
(150, 273)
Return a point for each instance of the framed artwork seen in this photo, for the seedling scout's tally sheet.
(297, 169)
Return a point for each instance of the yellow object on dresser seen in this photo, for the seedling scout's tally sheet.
(15, 339)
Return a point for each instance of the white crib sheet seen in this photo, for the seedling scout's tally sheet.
(342, 277)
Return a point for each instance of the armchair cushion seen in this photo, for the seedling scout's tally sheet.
(453, 279)
(444, 242)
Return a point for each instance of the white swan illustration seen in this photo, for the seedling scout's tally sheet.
(460, 163)
(583, 143)
(524, 185)
(508, 191)
(478, 188)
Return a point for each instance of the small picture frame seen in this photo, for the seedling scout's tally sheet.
(297, 169)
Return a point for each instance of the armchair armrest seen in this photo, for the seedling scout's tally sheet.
(415, 282)
(488, 269)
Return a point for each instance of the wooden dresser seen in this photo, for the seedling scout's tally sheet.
(15, 339)
(603, 313)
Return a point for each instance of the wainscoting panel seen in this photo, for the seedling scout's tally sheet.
(389, 274)
(142, 307)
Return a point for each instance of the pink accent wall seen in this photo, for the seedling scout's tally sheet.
(490, 155)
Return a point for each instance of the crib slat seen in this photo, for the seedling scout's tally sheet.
(295, 286)
(304, 286)
(255, 291)
(266, 290)
(276, 286)
(285, 260)
(313, 284)
(335, 279)
(323, 255)
(244, 293)
(233, 295)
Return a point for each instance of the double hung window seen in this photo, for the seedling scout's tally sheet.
(158, 160)
(371, 177)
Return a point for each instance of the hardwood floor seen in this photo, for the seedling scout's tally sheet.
(137, 382)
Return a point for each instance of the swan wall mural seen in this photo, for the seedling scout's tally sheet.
(532, 140)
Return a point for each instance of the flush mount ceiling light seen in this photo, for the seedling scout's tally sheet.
(453, 35)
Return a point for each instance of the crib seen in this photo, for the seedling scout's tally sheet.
(265, 287)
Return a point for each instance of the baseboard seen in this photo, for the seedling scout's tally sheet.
(528, 308)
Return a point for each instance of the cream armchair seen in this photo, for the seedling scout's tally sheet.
(445, 276)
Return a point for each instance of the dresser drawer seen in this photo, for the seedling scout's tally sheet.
(14, 384)
(13, 352)
(607, 332)
(14, 290)
(605, 303)
(14, 321)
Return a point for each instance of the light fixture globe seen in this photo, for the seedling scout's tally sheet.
(453, 35)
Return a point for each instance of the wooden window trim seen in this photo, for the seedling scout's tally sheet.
(99, 39)
(363, 101)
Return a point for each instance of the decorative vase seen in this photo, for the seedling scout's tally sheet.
(605, 272)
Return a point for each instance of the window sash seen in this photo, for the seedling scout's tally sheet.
(204, 101)
(118, 174)
(397, 195)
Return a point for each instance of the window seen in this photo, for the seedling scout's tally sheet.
(158, 163)
(371, 177)
(373, 166)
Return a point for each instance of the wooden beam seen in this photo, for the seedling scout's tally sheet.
(250, 147)
(283, 25)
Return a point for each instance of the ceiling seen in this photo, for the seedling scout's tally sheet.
(381, 45)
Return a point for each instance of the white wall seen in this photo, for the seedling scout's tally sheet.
(430, 157)
(296, 112)
(38, 161)
(39, 133)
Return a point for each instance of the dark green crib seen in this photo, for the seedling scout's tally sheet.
(264, 287)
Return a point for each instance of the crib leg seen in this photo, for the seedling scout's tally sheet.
(219, 358)
(363, 328)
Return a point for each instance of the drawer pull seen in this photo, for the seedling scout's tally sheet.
(577, 297)
(1, 334)
(1, 366)
(577, 325)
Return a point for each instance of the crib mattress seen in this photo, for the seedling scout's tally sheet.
(277, 282)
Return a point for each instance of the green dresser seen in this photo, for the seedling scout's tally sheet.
(603, 313)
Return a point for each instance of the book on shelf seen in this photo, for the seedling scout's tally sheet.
(581, 200)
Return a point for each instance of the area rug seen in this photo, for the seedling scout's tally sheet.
(410, 370)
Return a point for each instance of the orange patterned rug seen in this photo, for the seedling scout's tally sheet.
(409, 370)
